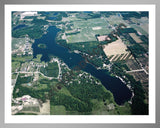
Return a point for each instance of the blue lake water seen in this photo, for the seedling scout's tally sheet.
(52, 18)
(55, 13)
(120, 91)
(87, 12)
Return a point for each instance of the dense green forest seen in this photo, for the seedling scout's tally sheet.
(34, 31)
(137, 50)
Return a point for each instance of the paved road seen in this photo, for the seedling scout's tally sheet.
(138, 70)
(39, 73)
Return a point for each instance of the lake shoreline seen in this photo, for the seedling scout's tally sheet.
(72, 59)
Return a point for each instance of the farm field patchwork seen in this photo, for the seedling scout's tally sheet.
(115, 20)
(117, 50)
(88, 29)
(114, 48)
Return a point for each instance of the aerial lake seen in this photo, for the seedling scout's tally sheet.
(120, 91)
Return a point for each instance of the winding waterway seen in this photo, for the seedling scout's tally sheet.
(120, 91)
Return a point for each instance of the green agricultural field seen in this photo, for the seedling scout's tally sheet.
(88, 29)
(41, 86)
(115, 20)
(51, 70)
(72, 17)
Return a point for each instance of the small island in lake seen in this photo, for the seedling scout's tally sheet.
(42, 46)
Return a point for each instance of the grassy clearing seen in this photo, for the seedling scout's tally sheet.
(41, 86)
(124, 110)
(57, 110)
(101, 108)
(38, 58)
(16, 42)
(15, 66)
(65, 91)
(51, 70)
(98, 107)
(21, 58)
